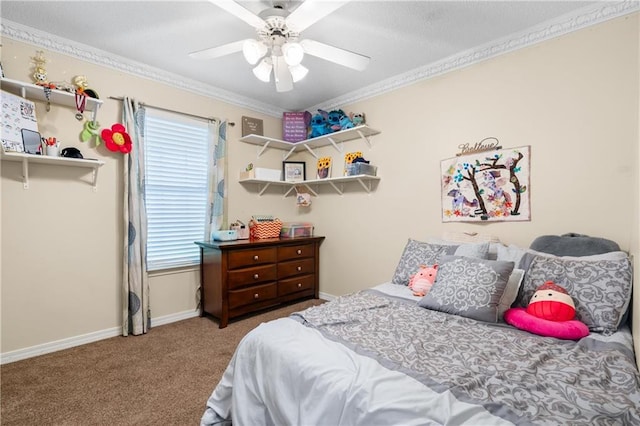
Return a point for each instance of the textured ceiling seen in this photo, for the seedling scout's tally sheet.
(398, 36)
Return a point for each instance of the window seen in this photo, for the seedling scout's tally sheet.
(176, 150)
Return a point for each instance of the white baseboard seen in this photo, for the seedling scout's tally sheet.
(179, 316)
(58, 345)
(327, 297)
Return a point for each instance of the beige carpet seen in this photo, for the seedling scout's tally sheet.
(161, 378)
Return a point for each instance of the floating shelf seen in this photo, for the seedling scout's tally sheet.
(337, 183)
(336, 139)
(25, 159)
(58, 97)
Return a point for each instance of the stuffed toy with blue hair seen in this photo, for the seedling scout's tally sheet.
(319, 125)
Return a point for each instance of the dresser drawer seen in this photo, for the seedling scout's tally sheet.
(244, 258)
(251, 276)
(293, 285)
(296, 267)
(295, 252)
(251, 295)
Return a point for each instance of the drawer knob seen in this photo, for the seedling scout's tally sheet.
(299, 285)
(299, 251)
(299, 268)
(256, 257)
(256, 276)
(255, 296)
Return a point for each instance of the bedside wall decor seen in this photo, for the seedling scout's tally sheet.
(487, 186)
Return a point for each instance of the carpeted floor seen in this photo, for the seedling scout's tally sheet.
(161, 378)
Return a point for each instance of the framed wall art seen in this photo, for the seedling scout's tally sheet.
(489, 186)
(294, 171)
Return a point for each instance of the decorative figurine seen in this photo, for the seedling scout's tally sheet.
(40, 76)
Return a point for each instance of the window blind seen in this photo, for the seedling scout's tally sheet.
(176, 150)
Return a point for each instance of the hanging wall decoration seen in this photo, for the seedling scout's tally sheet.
(117, 139)
(489, 186)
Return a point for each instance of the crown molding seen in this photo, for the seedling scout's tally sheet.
(577, 20)
(90, 54)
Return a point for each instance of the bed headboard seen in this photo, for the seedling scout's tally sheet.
(573, 245)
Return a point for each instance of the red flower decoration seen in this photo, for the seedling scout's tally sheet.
(117, 139)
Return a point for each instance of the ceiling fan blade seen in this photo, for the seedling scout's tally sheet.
(216, 52)
(235, 9)
(282, 75)
(334, 54)
(310, 12)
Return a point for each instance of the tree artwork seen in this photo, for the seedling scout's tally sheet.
(486, 186)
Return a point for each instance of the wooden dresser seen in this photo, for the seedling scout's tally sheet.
(243, 276)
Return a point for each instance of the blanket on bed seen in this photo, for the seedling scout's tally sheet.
(513, 374)
(368, 358)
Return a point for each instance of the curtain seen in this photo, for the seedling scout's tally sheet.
(136, 318)
(217, 198)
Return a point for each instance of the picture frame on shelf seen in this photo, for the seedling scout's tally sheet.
(348, 159)
(323, 168)
(294, 171)
(252, 126)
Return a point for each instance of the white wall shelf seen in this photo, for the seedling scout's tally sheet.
(336, 139)
(26, 159)
(58, 97)
(337, 183)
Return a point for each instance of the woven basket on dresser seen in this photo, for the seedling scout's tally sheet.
(270, 229)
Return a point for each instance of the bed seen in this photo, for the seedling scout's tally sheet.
(384, 356)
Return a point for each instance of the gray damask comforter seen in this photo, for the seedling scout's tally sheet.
(371, 358)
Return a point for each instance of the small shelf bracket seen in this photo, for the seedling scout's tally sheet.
(311, 151)
(338, 190)
(25, 173)
(263, 189)
(364, 138)
(335, 145)
(365, 186)
(262, 149)
(94, 178)
(288, 153)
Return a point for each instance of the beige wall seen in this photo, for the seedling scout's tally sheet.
(61, 255)
(573, 99)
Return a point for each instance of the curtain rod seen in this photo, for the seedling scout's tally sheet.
(120, 98)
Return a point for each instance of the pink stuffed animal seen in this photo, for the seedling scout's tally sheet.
(421, 282)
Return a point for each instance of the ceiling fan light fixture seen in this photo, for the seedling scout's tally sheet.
(293, 53)
(263, 70)
(298, 72)
(253, 50)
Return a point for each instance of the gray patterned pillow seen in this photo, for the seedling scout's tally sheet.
(600, 289)
(418, 253)
(469, 287)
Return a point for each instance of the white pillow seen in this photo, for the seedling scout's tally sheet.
(510, 292)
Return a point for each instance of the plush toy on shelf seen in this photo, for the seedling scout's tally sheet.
(357, 118)
(319, 125)
(333, 119)
(551, 312)
(345, 121)
(422, 281)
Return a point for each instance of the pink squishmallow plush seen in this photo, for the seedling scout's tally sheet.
(421, 282)
(550, 313)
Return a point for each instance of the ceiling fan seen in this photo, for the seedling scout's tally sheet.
(278, 47)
